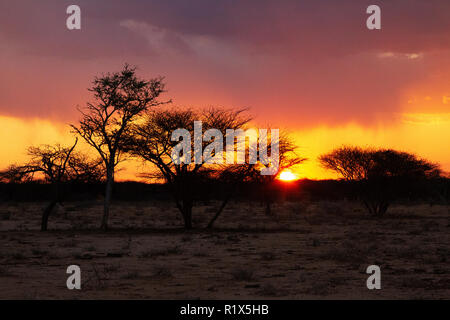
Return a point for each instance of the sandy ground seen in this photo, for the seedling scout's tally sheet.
(315, 250)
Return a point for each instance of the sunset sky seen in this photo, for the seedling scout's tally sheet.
(309, 66)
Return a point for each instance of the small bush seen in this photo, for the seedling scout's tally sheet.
(162, 272)
(242, 274)
(160, 252)
(39, 251)
(69, 244)
(268, 290)
(268, 256)
(131, 275)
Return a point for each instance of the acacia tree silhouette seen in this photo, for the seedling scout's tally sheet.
(150, 140)
(382, 174)
(352, 163)
(55, 164)
(119, 98)
(231, 176)
(52, 162)
(14, 174)
(11, 176)
(288, 159)
(235, 175)
(82, 169)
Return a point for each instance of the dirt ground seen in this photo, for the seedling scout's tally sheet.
(307, 250)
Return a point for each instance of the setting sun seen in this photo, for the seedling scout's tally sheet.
(287, 176)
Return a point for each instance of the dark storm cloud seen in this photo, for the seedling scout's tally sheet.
(290, 27)
(312, 61)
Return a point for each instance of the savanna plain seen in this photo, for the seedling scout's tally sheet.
(304, 250)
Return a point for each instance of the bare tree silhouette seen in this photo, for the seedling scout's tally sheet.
(151, 141)
(54, 164)
(51, 162)
(231, 176)
(82, 169)
(288, 159)
(14, 174)
(248, 172)
(383, 174)
(119, 98)
(352, 163)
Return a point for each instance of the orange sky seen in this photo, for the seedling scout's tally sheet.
(424, 134)
(309, 66)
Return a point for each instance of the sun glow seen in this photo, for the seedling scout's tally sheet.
(287, 176)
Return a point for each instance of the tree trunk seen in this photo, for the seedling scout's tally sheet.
(51, 206)
(268, 208)
(383, 208)
(368, 206)
(376, 208)
(108, 194)
(48, 210)
(187, 213)
(224, 203)
(268, 197)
